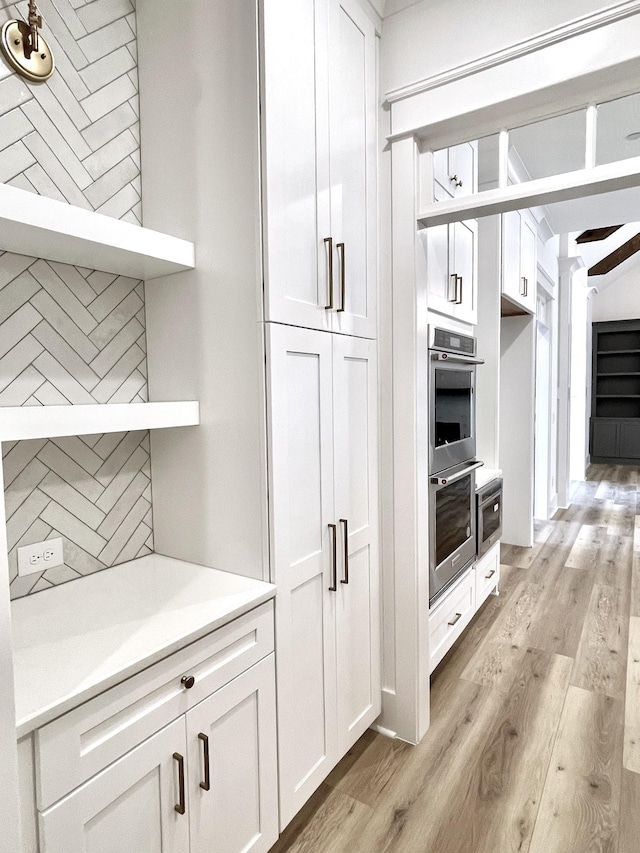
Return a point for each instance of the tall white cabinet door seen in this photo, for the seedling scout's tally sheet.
(129, 806)
(352, 98)
(296, 162)
(233, 792)
(301, 488)
(465, 264)
(356, 507)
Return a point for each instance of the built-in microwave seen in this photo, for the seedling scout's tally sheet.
(489, 515)
(452, 404)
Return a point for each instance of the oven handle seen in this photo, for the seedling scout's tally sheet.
(444, 481)
(458, 359)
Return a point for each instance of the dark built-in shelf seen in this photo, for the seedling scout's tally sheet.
(615, 398)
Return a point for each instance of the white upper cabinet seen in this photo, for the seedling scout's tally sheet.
(452, 250)
(319, 135)
(519, 260)
(455, 169)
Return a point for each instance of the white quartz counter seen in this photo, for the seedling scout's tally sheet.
(76, 640)
(486, 475)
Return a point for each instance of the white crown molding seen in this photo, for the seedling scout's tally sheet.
(569, 30)
(569, 266)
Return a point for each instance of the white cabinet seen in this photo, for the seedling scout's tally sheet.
(452, 250)
(456, 169)
(519, 263)
(319, 133)
(324, 540)
(132, 802)
(487, 574)
(112, 770)
(452, 269)
(450, 616)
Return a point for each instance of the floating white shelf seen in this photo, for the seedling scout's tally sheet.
(44, 228)
(18, 423)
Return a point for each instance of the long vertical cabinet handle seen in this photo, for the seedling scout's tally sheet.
(343, 276)
(206, 785)
(334, 559)
(345, 579)
(329, 240)
(453, 298)
(181, 806)
(458, 293)
(523, 290)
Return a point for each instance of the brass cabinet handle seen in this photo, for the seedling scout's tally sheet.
(329, 240)
(206, 785)
(343, 276)
(334, 559)
(455, 619)
(490, 575)
(180, 807)
(345, 579)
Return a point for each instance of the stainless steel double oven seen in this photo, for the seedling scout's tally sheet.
(452, 462)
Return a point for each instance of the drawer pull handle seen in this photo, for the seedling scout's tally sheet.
(180, 807)
(206, 785)
(490, 575)
(187, 681)
(455, 619)
(343, 276)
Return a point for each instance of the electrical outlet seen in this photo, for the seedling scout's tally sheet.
(40, 556)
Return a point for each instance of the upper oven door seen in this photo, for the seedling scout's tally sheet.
(452, 411)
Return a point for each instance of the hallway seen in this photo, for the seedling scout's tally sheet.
(528, 748)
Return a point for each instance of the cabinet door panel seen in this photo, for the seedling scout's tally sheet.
(353, 165)
(464, 264)
(130, 805)
(440, 284)
(296, 174)
(300, 435)
(528, 263)
(511, 255)
(629, 440)
(356, 499)
(239, 812)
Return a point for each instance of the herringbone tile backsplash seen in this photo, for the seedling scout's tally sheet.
(76, 137)
(70, 335)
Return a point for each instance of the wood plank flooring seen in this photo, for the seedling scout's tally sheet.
(534, 743)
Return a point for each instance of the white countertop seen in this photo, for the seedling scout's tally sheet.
(486, 475)
(78, 639)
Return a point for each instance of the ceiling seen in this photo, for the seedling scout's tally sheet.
(557, 145)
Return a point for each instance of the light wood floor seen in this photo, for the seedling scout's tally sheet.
(531, 747)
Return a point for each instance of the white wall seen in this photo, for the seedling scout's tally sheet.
(580, 357)
(618, 301)
(432, 36)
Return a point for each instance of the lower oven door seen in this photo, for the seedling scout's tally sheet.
(452, 522)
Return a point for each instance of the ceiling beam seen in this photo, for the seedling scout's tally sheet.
(616, 257)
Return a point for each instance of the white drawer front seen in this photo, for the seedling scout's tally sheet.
(450, 617)
(71, 749)
(487, 573)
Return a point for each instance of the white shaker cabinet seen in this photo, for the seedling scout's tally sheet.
(519, 262)
(180, 758)
(455, 169)
(324, 539)
(319, 178)
(452, 269)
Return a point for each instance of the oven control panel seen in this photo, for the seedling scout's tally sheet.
(443, 339)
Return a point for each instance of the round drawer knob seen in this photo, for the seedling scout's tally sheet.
(188, 681)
